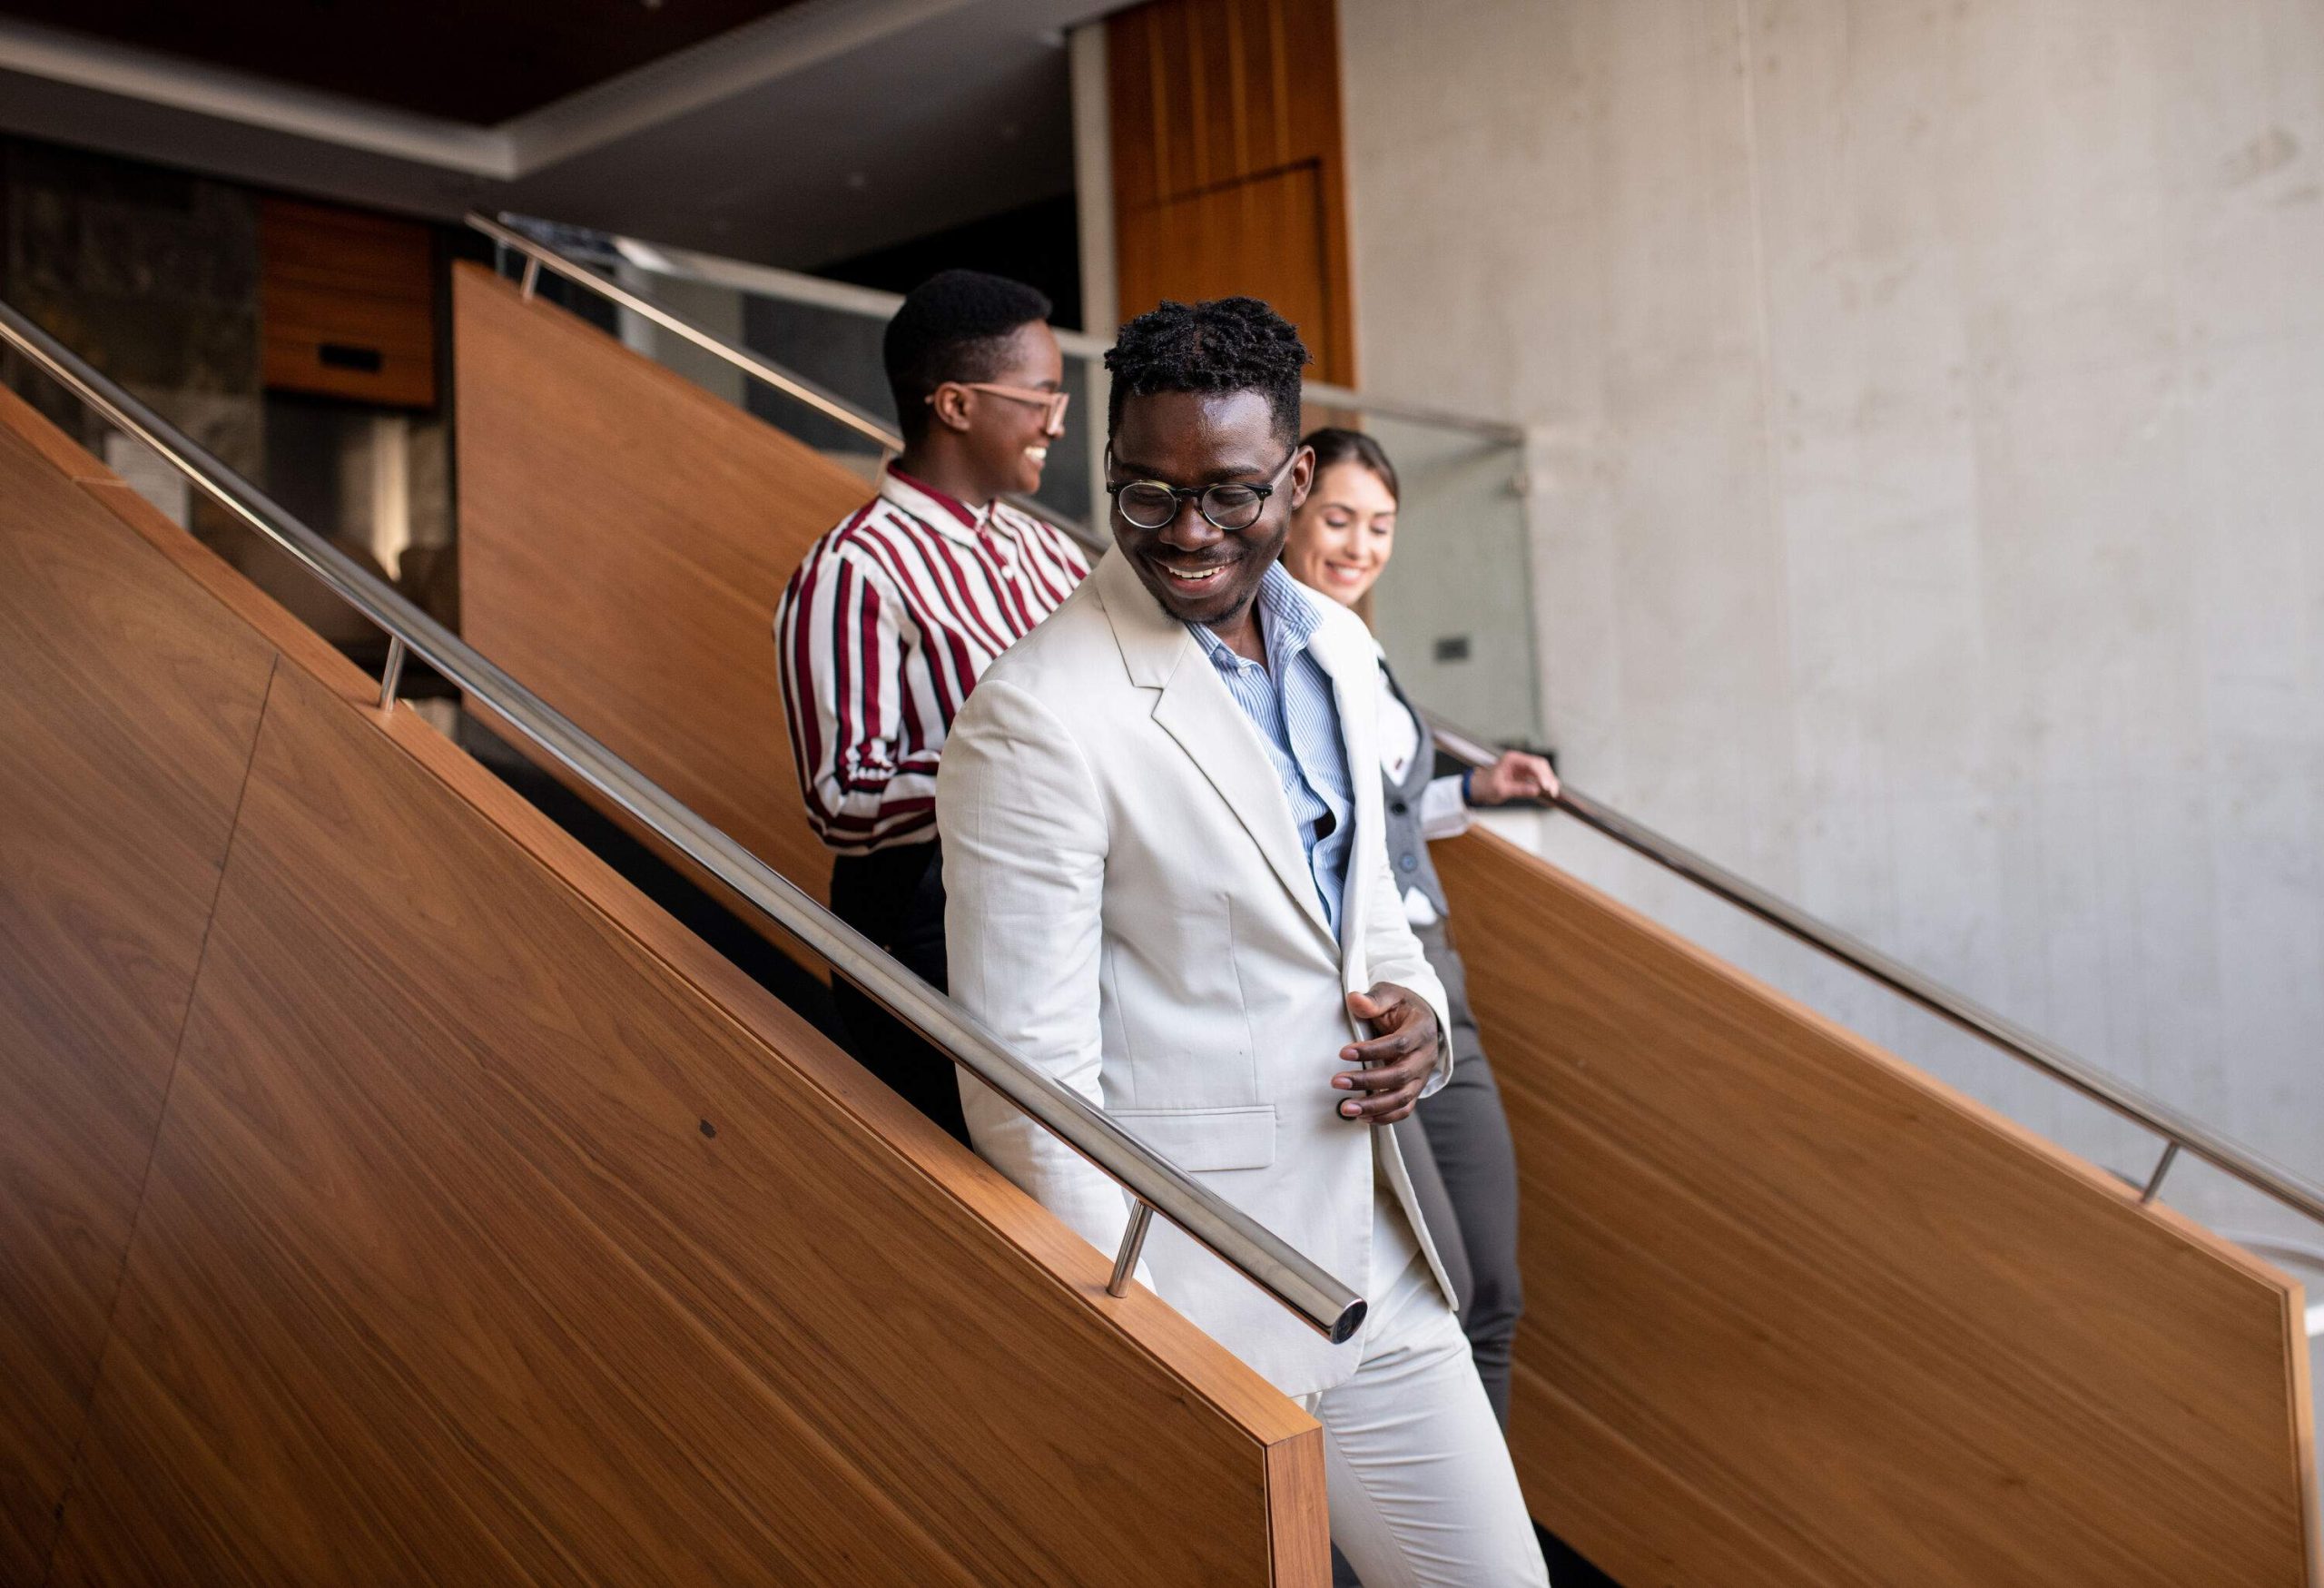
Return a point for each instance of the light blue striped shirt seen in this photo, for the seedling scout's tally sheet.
(1290, 702)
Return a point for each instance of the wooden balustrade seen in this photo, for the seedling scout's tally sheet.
(392, 1194)
(625, 537)
(1798, 1314)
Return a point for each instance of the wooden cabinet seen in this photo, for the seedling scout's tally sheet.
(347, 303)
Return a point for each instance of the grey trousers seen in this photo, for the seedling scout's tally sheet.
(1470, 1173)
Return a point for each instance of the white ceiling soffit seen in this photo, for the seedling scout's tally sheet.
(734, 62)
(258, 101)
(759, 51)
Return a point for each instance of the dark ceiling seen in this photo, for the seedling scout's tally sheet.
(479, 61)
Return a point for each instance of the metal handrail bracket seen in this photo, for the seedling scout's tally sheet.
(1285, 1273)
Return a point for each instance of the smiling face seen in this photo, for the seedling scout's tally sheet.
(1200, 572)
(1007, 439)
(1344, 534)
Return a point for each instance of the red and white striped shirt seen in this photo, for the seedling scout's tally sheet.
(883, 632)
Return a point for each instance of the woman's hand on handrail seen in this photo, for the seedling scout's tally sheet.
(1517, 775)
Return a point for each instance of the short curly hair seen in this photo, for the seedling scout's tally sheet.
(954, 326)
(1228, 344)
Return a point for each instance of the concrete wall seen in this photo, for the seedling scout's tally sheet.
(1934, 527)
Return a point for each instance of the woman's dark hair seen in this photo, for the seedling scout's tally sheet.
(1333, 444)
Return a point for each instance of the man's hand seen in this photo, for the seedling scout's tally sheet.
(1398, 1060)
(1515, 776)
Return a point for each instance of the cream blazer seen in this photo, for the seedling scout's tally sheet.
(1129, 908)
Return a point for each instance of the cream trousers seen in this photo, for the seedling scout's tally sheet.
(1422, 1490)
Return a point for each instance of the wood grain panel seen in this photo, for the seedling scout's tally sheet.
(684, 865)
(1824, 1320)
(336, 284)
(129, 704)
(1207, 98)
(436, 1165)
(62, 453)
(1262, 238)
(1631, 1508)
(1220, 91)
(625, 537)
(496, 1230)
(1295, 1488)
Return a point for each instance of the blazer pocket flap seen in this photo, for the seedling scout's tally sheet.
(1205, 1139)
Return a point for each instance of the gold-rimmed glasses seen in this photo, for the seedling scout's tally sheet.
(1056, 402)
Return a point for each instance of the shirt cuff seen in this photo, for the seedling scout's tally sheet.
(1443, 813)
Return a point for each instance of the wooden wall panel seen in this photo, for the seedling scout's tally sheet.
(496, 1230)
(1229, 163)
(347, 303)
(1264, 237)
(434, 1113)
(128, 707)
(625, 537)
(1798, 1314)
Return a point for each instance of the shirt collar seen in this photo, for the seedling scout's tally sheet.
(1287, 621)
(946, 515)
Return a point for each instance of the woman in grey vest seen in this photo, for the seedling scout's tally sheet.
(1340, 542)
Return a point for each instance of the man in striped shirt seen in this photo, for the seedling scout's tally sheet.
(897, 612)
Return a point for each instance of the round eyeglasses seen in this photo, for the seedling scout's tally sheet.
(1149, 504)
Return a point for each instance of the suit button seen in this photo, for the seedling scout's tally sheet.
(1398, 806)
(1408, 863)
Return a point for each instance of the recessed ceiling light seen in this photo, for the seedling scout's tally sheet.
(858, 181)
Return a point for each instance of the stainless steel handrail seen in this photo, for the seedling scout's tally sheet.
(2177, 1131)
(829, 404)
(763, 280)
(541, 255)
(2150, 1113)
(1266, 1259)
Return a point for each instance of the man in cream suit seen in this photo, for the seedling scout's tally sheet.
(1168, 891)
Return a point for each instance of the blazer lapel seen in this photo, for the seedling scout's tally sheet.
(1195, 707)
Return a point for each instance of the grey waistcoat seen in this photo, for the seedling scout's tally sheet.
(1408, 860)
(1407, 850)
